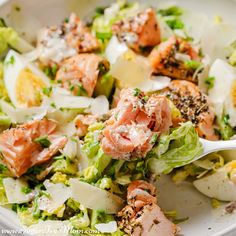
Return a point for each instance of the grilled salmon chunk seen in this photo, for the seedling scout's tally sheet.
(79, 74)
(20, 149)
(142, 215)
(194, 106)
(135, 123)
(170, 59)
(140, 31)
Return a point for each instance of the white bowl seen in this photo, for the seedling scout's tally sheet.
(203, 220)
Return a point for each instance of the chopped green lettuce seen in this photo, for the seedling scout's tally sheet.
(100, 217)
(171, 16)
(3, 91)
(171, 11)
(10, 38)
(26, 216)
(97, 159)
(59, 177)
(102, 23)
(174, 150)
(104, 86)
(64, 165)
(81, 220)
(225, 130)
(3, 197)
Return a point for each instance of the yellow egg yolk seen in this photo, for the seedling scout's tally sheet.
(29, 88)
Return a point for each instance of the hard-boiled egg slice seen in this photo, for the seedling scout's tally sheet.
(220, 185)
(223, 93)
(23, 81)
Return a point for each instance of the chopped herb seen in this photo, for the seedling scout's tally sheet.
(66, 20)
(14, 207)
(145, 98)
(102, 68)
(47, 91)
(17, 8)
(59, 157)
(100, 10)
(154, 139)
(51, 71)
(171, 11)
(11, 60)
(2, 23)
(136, 92)
(25, 190)
(35, 170)
(103, 35)
(226, 119)
(43, 141)
(3, 168)
(191, 64)
(53, 105)
(71, 87)
(210, 82)
(175, 23)
(81, 90)
(180, 220)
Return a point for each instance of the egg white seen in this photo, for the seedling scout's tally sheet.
(221, 93)
(217, 185)
(14, 63)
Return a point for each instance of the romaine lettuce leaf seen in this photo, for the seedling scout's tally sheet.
(97, 160)
(102, 23)
(174, 150)
(10, 38)
(3, 197)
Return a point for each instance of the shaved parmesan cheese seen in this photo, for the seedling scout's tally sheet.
(109, 227)
(21, 115)
(115, 49)
(100, 106)
(63, 99)
(154, 84)
(71, 148)
(95, 198)
(58, 194)
(13, 189)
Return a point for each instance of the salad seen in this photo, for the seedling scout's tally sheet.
(96, 110)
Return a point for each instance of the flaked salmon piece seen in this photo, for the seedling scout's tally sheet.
(158, 109)
(164, 59)
(80, 73)
(140, 31)
(135, 121)
(142, 215)
(140, 193)
(194, 106)
(78, 36)
(127, 141)
(82, 122)
(20, 151)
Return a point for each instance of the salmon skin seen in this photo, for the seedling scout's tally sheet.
(19, 149)
(142, 215)
(140, 31)
(136, 121)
